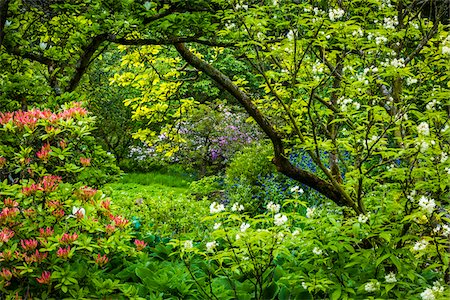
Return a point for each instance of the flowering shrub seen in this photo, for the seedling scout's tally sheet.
(319, 254)
(58, 239)
(38, 142)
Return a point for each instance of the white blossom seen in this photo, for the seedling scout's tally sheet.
(188, 244)
(390, 278)
(217, 225)
(336, 13)
(427, 294)
(310, 212)
(42, 45)
(390, 23)
(423, 129)
(444, 157)
(420, 245)
(432, 104)
(426, 204)
(372, 286)
(446, 50)
(77, 210)
(411, 81)
(211, 245)
(237, 207)
(280, 219)
(272, 207)
(363, 218)
(317, 251)
(304, 285)
(244, 227)
(216, 208)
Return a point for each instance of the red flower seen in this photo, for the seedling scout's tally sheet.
(30, 244)
(101, 260)
(67, 239)
(106, 204)
(110, 229)
(139, 245)
(6, 274)
(63, 252)
(62, 144)
(59, 213)
(48, 231)
(85, 193)
(32, 189)
(85, 161)
(2, 162)
(45, 278)
(119, 221)
(49, 183)
(44, 153)
(6, 234)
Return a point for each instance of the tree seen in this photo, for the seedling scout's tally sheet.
(297, 49)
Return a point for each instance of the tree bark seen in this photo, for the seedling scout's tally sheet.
(4, 4)
(282, 164)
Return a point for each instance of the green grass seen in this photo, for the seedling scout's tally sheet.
(165, 179)
(161, 203)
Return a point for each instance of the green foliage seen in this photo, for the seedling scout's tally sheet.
(322, 253)
(158, 209)
(251, 164)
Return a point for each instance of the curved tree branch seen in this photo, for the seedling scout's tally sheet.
(4, 4)
(282, 164)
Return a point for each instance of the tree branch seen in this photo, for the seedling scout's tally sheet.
(4, 4)
(85, 60)
(282, 164)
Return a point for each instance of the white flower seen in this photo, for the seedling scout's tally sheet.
(426, 204)
(237, 207)
(304, 285)
(317, 251)
(363, 218)
(147, 5)
(372, 286)
(77, 210)
(437, 287)
(445, 230)
(244, 227)
(310, 212)
(423, 129)
(216, 208)
(420, 245)
(336, 13)
(427, 294)
(42, 45)
(390, 278)
(217, 225)
(8, 23)
(188, 244)
(411, 81)
(445, 50)
(211, 245)
(444, 157)
(280, 219)
(296, 232)
(424, 146)
(432, 104)
(272, 207)
(237, 236)
(390, 23)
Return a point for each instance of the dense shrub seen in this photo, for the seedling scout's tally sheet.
(38, 142)
(58, 237)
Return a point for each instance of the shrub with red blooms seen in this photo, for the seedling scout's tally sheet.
(40, 142)
(60, 237)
